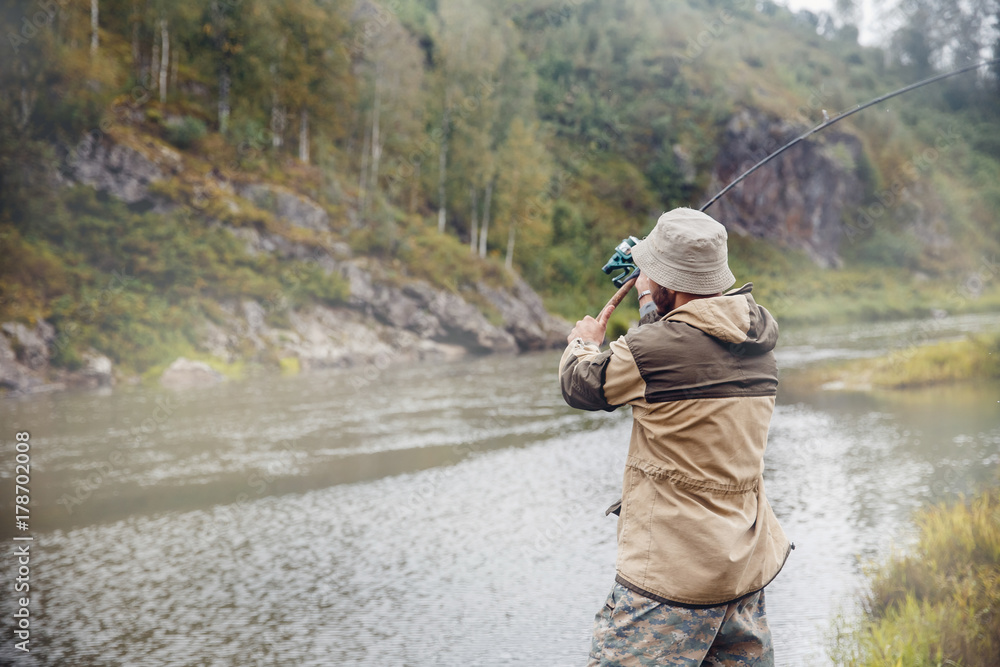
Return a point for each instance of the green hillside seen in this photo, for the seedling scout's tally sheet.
(447, 140)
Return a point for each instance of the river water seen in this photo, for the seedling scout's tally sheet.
(433, 515)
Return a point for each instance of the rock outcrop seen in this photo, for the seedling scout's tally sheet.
(31, 343)
(97, 370)
(525, 318)
(25, 361)
(121, 171)
(14, 376)
(24, 357)
(286, 205)
(800, 198)
(430, 313)
(384, 324)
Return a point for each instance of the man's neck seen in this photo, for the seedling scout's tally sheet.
(683, 298)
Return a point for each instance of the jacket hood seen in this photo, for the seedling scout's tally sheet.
(733, 318)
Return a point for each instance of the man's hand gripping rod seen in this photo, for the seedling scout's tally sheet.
(621, 260)
(605, 314)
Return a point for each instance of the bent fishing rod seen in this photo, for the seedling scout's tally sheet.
(622, 259)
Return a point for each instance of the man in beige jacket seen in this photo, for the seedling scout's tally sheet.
(697, 540)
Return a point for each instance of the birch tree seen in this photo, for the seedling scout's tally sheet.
(472, 48)
(308, 73)
(391, 68)
(93, 27)
(164, 59)
(523, 189)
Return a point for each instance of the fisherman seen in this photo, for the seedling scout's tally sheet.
(697, 540)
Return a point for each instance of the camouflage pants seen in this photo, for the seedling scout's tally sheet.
(634, 631)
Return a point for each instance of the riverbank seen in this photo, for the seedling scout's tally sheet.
(379, 321)
(974, 357)
(938, 604)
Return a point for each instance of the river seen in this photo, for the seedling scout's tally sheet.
(433, 515)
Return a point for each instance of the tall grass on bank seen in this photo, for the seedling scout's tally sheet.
(939, 605)
(974, 358)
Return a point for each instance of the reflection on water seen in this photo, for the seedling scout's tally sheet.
(431, 515)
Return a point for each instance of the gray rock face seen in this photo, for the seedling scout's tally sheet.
(122, 172)
(187, 374)
(286, 205)
(24, 357)
(13, 376)
(435, 314)
(384, 324)
(525, 317)
(322, 337)
(31, 345)
(97, 370)
(343, 338)
(800, 197)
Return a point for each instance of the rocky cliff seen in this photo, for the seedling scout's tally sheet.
(382, 322)
(801, 197)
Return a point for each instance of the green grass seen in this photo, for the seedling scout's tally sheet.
(973, 358)
(938, 604)
(977, 357)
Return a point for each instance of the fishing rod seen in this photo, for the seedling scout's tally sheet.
(622, 258)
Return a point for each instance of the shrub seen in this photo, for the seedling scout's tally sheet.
(185, 131)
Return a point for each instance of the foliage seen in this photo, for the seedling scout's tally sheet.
(136, 286)
(184, 132)
(938, 604)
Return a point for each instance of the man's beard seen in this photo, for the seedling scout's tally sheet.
(664, 299)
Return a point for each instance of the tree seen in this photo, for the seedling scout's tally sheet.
(524, 202)
(307, 73)
(164, 59)
(471, 46)
(225, 26)
(94, 12)
(390, 70)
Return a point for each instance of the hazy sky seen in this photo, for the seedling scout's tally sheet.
(812, 5)
(868, 30)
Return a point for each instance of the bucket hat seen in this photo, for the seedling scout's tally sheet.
(686, 252)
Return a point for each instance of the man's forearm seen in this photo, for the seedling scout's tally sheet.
(581, 375)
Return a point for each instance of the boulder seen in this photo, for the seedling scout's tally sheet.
(185, 374)
(97, 369)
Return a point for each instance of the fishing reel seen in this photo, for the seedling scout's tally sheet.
(622, 261)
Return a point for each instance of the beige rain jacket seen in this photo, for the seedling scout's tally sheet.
(695, 526)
